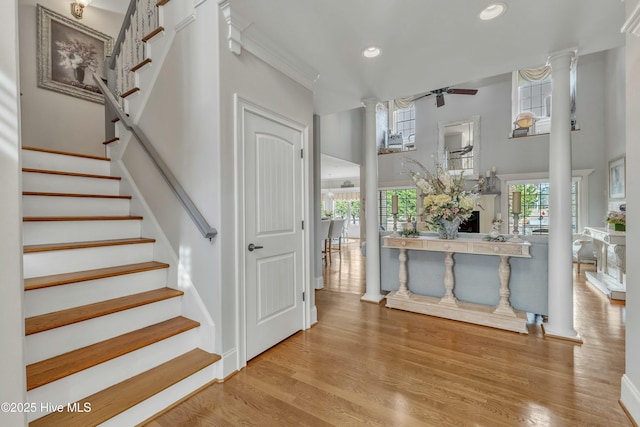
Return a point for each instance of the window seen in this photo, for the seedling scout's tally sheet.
(532, 100)
(407, 206)
(535, 209)
(402, 125)
(341, 205)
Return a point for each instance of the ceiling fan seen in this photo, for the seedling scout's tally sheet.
(439, 93)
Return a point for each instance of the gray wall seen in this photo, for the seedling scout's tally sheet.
(12, 369)
(342, 135)
(614, 103)
(52, 119)
(529, 154)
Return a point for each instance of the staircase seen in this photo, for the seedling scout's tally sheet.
(105, 340)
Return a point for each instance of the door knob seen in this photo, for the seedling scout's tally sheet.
(252, 247)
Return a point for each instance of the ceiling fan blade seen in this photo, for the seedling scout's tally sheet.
(440, 100)
(424, 95)
(463, 91)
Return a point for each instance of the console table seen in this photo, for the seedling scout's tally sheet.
(603, 239)
(501, 316)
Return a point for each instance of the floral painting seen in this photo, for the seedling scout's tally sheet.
(68, 55)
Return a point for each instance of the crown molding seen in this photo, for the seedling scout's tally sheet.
(632, 24)
(241, 35)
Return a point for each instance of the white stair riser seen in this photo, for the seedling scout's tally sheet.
(73, 206)
(59, 162)
(56, 298)
(92, 380)
(57, 341)
(44, 232)
(65, 261)
(162, 400)
(51, 183)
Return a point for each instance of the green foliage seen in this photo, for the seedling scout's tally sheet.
(407, 203)
(529, 197)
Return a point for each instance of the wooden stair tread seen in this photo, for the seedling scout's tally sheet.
(83, 276)
(66, 153)
(49, 370)
(96, 196)
(81, 218)
(116, 399)
(57, 319)
(81, 245)
(82, 175)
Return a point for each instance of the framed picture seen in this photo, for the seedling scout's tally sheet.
(68, 54)
(616, 178)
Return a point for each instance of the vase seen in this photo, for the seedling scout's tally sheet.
(620, 227)
(449, 229)
(78, 74)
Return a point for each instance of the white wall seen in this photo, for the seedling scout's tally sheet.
(529, 154)
(12, 370)
(342, 135)
(255, 81)
(181, 121)
(631, 379)
(52, 119)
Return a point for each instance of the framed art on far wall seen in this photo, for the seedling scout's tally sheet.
(617, 178)
(68, 54)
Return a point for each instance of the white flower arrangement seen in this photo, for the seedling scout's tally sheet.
(444, 195)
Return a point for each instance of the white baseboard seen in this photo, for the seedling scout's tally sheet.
(319, 282)
(228, 364)
(630, 398)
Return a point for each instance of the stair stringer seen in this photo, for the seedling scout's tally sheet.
(192, 305)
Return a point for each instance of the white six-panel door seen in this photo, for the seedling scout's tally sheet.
(273, 205)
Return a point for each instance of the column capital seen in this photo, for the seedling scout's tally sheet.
(369, 102)
(569, 54)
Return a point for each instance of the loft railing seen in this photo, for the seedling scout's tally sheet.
(184, 199)
(140, 23)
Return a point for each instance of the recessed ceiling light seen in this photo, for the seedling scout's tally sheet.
(492, 11)
(371, 52)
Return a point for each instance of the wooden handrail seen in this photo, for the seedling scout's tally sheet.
(184, 199)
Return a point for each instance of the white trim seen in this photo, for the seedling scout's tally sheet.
(580, 175)
(396, 185)
(630, 398)
(185, 22)
(227, 365)
(319, 283)
(242, 105)
(632, 24)
(242, 35)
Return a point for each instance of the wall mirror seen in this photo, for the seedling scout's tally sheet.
(459, 146)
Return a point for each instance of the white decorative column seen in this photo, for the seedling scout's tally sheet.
(372, 293)
(560, 297)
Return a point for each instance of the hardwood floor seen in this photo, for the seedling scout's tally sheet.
(364, 364)
(346, 272)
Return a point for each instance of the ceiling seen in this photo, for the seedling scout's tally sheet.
(426, 44)
(333, 168)
(119, 6)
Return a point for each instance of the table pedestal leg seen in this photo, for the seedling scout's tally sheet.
(403, 290)
(504, 271)
(448, 298)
